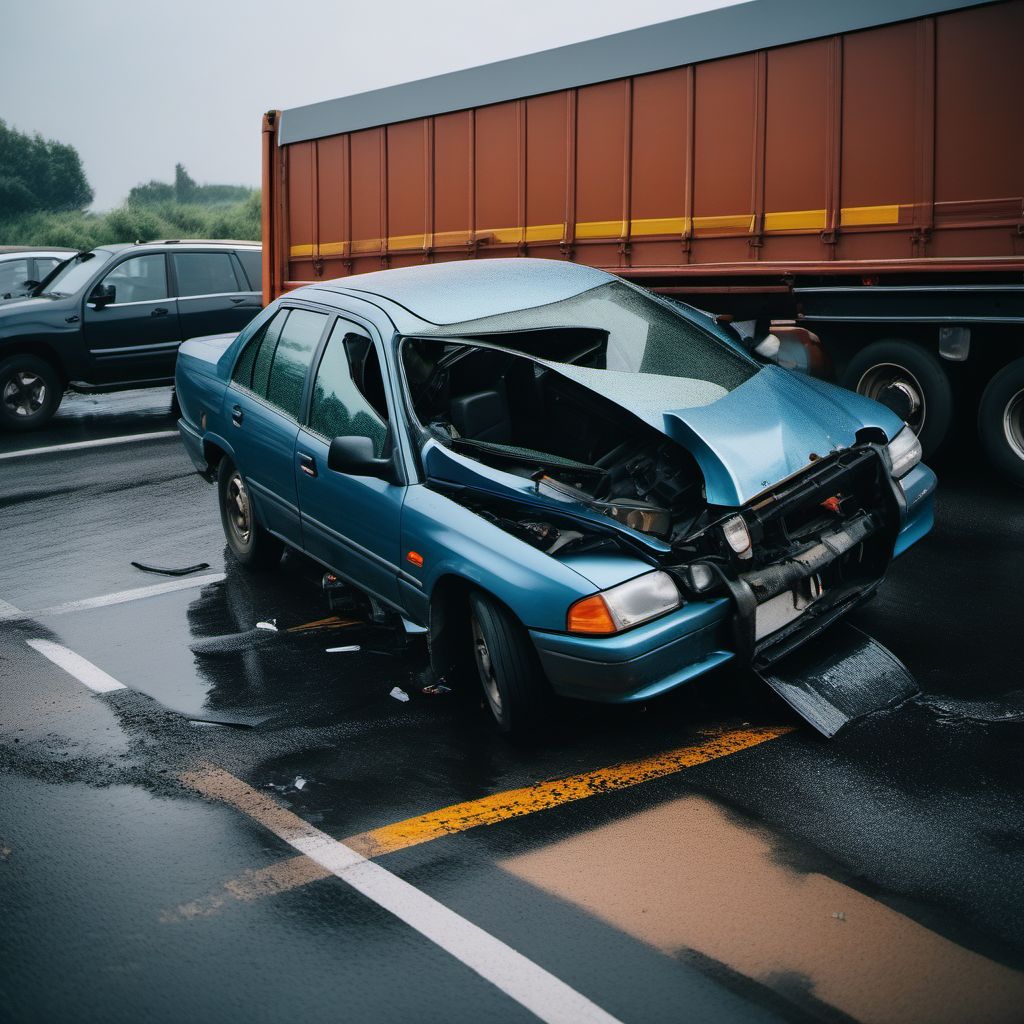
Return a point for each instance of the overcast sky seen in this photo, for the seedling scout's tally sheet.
(138, 85)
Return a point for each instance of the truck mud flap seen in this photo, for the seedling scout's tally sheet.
(838, 677)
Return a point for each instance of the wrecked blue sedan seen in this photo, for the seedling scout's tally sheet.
(575, 486)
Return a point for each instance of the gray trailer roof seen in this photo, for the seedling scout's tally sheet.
(739, 28)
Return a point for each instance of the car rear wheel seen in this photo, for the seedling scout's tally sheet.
(252, 545)
(1001, 421)
(30, 392)
(911, 381)
(510, 673)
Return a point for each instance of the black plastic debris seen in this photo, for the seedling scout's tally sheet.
(838, 677)
(162, 570)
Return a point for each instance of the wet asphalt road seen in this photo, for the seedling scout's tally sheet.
(765, 874)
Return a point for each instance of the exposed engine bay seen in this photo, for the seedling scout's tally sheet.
(827, 532)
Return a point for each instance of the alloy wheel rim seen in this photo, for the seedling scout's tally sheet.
(1013, 424)
(236, 501)
(892, 380)
(24, 393)
(485, 667)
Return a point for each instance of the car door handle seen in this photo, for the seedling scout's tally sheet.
(160, 311)
(307, 464)
(236, 415)
(237, 302)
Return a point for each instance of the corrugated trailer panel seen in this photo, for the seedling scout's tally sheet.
(867, 146)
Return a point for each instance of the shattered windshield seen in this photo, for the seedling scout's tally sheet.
(614, 327)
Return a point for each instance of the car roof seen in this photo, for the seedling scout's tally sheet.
(461, 290)
(232, 242)
(19, 250)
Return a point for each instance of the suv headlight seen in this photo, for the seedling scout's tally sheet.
(904, 452)
(629, 604)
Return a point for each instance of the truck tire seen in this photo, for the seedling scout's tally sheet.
(510, 673)
(911, 381)
(1001, 421)
(252, 545)
(30, 392)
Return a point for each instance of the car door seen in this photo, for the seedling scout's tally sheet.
(262, 405)
(135, 336)
(349, 523)
(214, 296)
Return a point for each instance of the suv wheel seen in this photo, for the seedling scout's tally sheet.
(252, 545)
(30, 392)
(510, 673)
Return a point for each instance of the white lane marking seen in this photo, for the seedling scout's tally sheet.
(124, 596)
(10, 611)
(99, 442)
(531, 986)
(75, 665)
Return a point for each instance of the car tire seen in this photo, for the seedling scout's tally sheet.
(509, 670)
(1001, 421)
(30, 392)
(249, 542)
(911, 381)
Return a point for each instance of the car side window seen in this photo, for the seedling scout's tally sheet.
(13, 274)
(204, 273)
(252, 264)
(291, 358)
(139, 279)
(265, 338)
(348, 393)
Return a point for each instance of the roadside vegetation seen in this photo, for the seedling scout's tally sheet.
(44, 192)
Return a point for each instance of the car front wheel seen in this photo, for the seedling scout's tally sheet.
(250, 543)
(30, 391)
(513, 682)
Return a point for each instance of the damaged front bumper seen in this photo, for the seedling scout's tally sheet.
(746, 620)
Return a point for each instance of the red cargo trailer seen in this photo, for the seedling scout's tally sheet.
(851, 170)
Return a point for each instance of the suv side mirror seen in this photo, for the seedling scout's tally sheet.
(354, 455)
(103, 295)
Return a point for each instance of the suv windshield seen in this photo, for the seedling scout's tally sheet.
(73, 275)
(614, 327)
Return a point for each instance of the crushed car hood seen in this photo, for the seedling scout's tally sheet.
(748, 439)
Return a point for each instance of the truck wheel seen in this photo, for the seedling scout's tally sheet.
(253, 546)
(30, 392)
(513, 682)
(1001, 421)
(909, 380)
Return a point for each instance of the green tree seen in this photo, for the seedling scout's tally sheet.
(39, 174)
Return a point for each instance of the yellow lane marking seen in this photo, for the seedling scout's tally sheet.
(541, 993)
(686, 875)
(488, 810)
(784, 220)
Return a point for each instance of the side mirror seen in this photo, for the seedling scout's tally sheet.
(30, 284)
(103, 295)
(354, 455)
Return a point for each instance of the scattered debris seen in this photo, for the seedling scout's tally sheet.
(300, 782)
(399, 694)
(342, 650)
(271, 625)
(5, 851)
(436, 690)
(331, 622)
(839, 915)
(166, 571)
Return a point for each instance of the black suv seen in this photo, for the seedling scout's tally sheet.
(114, 317)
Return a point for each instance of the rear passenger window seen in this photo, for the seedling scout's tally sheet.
(252, 264)
(292, 356)
(269, 333)
(204, 273)
(348, 373)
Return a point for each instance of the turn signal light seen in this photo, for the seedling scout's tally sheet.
(591, 615)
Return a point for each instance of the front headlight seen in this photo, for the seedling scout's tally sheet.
(904, 452)
(629, 604)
